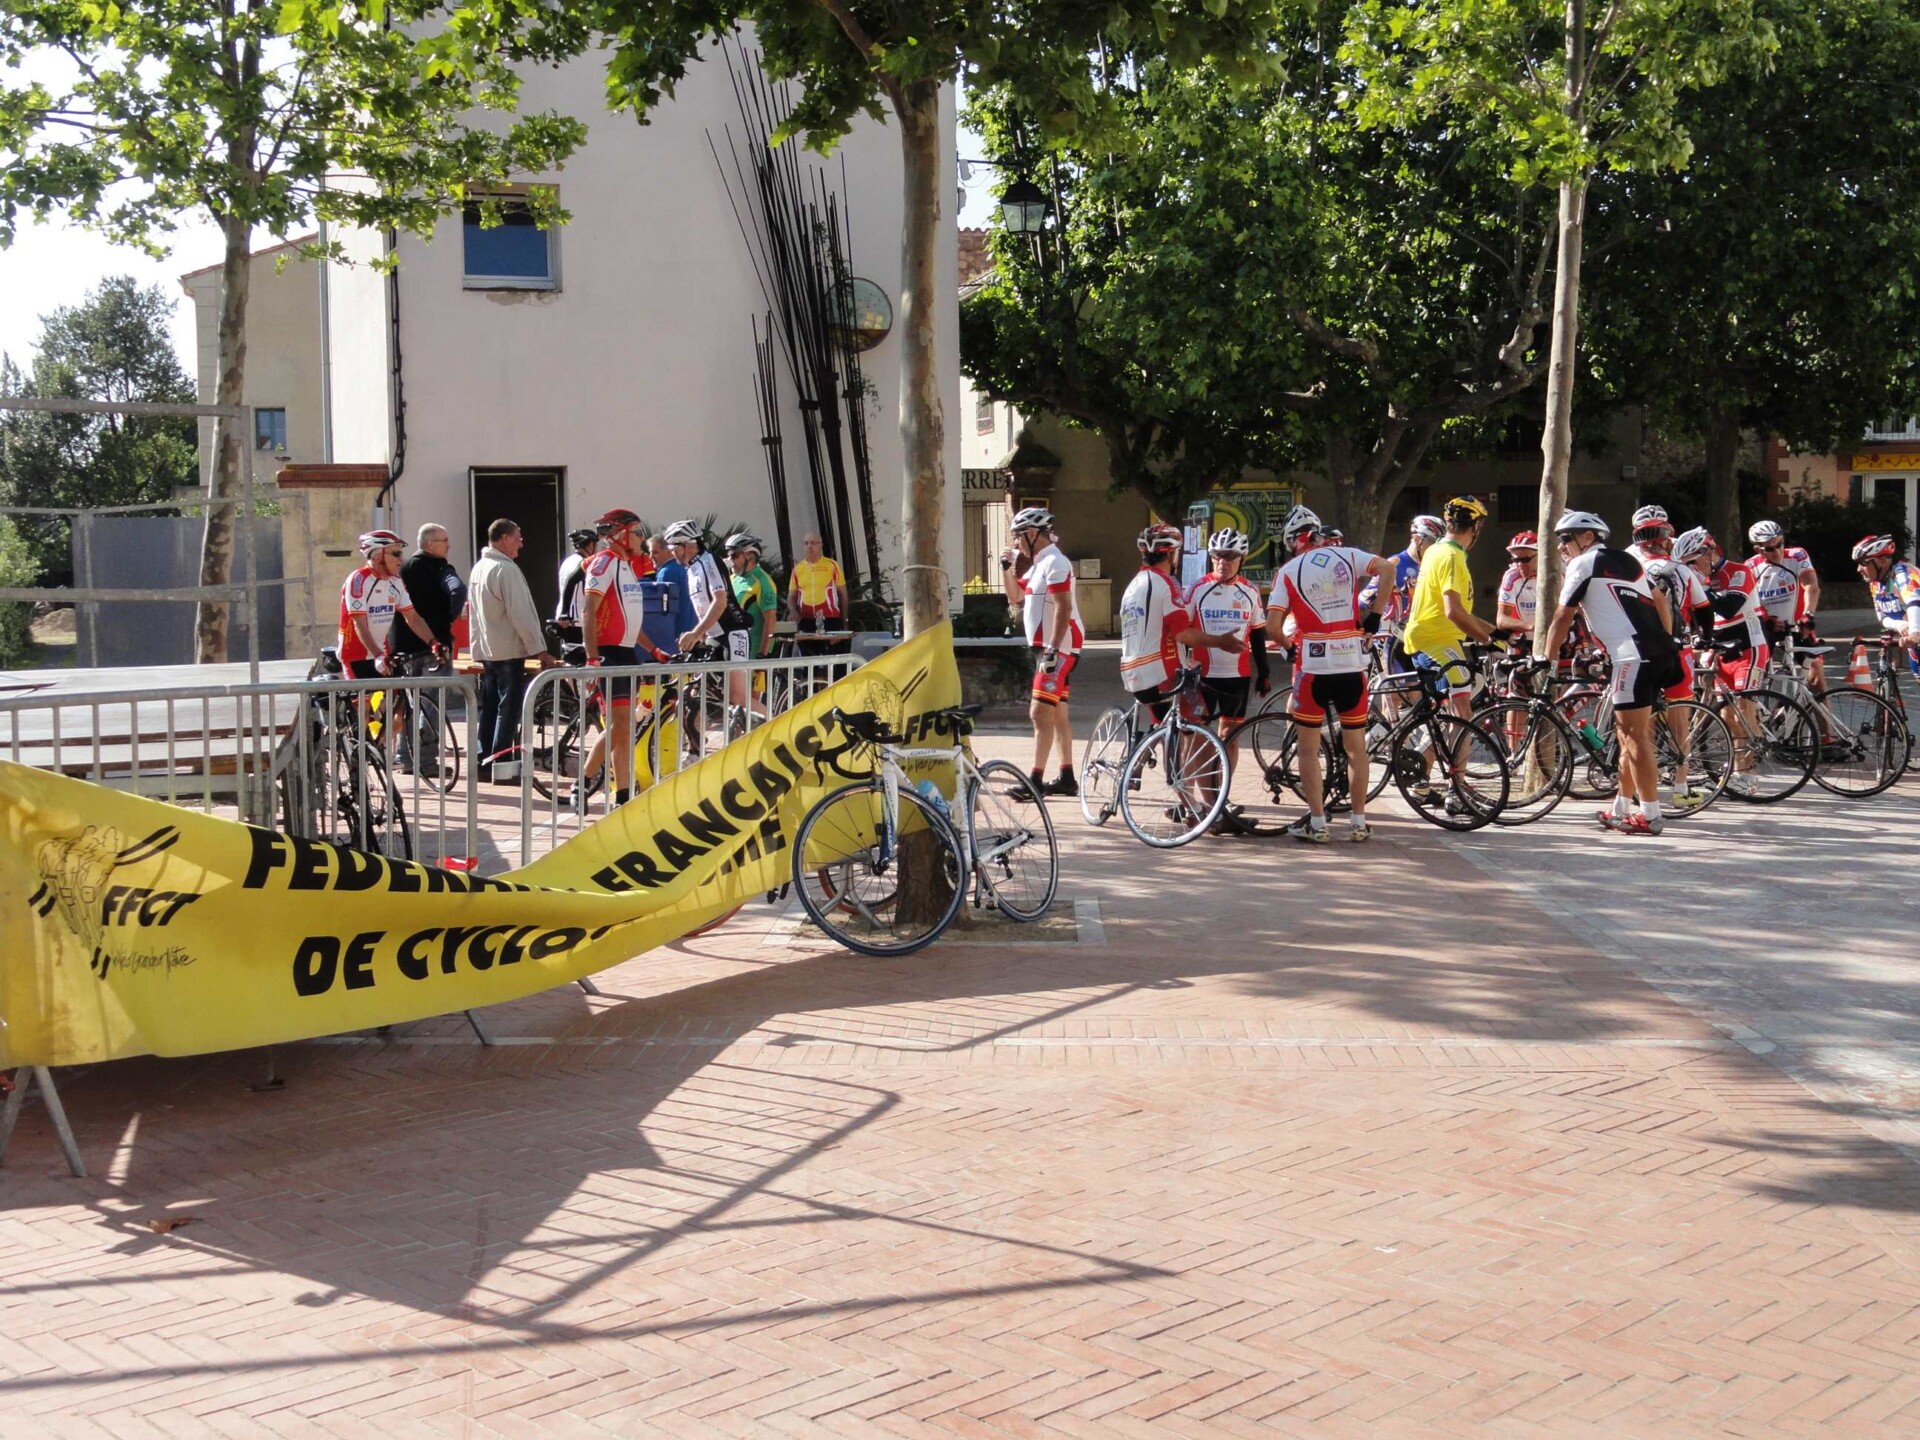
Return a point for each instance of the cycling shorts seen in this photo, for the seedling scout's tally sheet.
(1682, 689)
(620, 688)
(1457, 672)
(1226, 696)
(1051, 688)
(1637, 683)
(363, 669)
(1157, 698)
(1745, 671)
(1344, 694)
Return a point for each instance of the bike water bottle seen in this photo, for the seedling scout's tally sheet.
(930, 792)
(1591, 736)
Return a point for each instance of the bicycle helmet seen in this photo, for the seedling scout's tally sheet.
(1302, 525)
(1334, 535)
(1873, 547)
(1228, 542)
(580, 539)
(743, 541)
(1463, 512)
(1525, 540)
(1429, 527)
(1160, 540)
(379, 540)
(1692, 544)
(1033, 517)
(1765, 532)
(617, 518)
(1574, 520)
(681, 532)
(1651, 517)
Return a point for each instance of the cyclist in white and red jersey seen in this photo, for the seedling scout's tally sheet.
(1223, 602)
(370, 599)
(613, 615)
(1156, 625)
(1518, 600)
(1319, 589)
(1733, 603)
(1629, 617)
(1050, 613)
(1789, 591)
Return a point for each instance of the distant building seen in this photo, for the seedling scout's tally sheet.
(283, 380)
(1884, 464)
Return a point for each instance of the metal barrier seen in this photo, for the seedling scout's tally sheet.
(681, 714)
(374, 764)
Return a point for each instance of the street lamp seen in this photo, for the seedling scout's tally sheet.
(1023, 207)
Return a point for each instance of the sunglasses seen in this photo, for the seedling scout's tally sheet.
(1769, 549)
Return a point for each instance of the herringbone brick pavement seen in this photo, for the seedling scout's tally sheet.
(1342, 1143)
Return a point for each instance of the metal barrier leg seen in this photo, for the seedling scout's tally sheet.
(24, 1079)
(587, 985)
(479, 1030)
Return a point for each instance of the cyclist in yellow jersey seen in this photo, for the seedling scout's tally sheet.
(817, 594)
(1441, 619)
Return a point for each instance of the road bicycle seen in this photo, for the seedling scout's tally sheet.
(1864, 742)
(1552, 743)
(569, 717)
(1776, 740)
(1452, 772)
(883, 864)
(331, 778)
(1884, 680)
(425, 743)
(1167, 779)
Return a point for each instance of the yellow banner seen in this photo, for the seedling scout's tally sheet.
(132, 927)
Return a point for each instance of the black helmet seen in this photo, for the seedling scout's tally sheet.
(580, 539)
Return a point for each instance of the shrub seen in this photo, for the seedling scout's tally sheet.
(1829, 529)
(17, 567)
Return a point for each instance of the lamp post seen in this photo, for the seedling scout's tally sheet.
(1023, 210)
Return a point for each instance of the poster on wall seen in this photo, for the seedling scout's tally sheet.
(1260, 510)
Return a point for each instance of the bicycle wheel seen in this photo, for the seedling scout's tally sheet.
(1864, 744)
(359, 805)
(1102, 759)
(1013, 846)
(1174, 786)
(1261, 791)
(1776, 745)
(1539, 751)
(555, 765)
(1466, 786)
(878, 884)
(1695, 773)
(436, 745)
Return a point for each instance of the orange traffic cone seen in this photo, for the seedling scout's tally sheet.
(1857, 672)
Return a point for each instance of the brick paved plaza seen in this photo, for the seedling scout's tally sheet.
(1437, 1137)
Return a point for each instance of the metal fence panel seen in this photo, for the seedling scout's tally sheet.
(162, 552)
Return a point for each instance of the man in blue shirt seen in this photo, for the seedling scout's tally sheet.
(674, 617)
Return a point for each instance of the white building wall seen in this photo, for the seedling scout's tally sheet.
(358, 367)
(636, 376)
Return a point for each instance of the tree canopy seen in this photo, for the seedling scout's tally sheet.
(1259, 279)
(114, 345)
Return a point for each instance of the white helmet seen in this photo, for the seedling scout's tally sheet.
(378, 540)
(1581, 520)
(1692, 544)
(1765, 532)
(1228, 542)
(1032, 518)
(1648, 516)
(1300, 521)
(1428, 527)
(681, 532)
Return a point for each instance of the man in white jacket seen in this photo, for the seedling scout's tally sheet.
(505, 626)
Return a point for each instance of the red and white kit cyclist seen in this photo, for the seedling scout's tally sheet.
(1789, 590)
(1050, 616)
(371, 598)
(1157, 630)
(1319, 590)
(1518, 600)
(1225, 602)
(614, 574)
(1739, 638)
